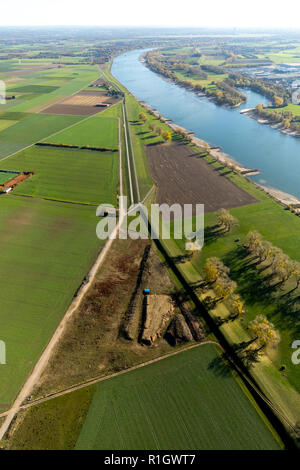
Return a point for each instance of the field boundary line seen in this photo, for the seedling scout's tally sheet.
(87, 204)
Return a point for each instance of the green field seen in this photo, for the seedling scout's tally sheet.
(31, 129)
(82, 176)
(48, 249)
(5, 176)
(74, 78)
(5, 123)
(183, 402)
(293, 108)
(42, 427)
(39, 89)
(206, 82)
(96, 131)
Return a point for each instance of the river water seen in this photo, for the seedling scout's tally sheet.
(255, 145)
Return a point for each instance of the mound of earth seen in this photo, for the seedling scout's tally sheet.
(178, 331)
(158, 311)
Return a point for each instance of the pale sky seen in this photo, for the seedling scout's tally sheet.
(196, 13)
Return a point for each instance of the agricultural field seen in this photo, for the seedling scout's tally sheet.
(286, 56)
(30, 129)
(49, 248)
(71, 175)
(4, 123)
(85, 103)
(6, 175)
(187, 401)
(97, 131)
(39, 87)
(36, 89)
(184, 177)
(293, 108)
(177, 398)
(208, 82)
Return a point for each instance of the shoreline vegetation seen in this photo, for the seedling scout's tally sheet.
(280, 126)
(224, 92)
(223, 95)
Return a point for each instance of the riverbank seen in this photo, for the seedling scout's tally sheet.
(278, 125)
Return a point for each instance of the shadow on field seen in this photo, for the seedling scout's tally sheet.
(212, 233)
(254, 287)
(220, 366)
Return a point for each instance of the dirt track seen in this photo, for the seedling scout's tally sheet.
(184, 177)
(107, 377)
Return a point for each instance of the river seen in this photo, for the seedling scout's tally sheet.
(255, 145)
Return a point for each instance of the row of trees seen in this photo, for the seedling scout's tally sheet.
(165, 134)
(216, 273)
(262, 330)
(280, 265)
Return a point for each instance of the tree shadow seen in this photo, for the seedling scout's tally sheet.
(287, 315)
(212, 233)
(153, 144)
(178, 259)
(253, 287)
(220, 366)
(250, 357)
(142, 133)
(225, 173)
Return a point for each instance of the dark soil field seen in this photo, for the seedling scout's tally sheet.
(183, 177)
(84, 103)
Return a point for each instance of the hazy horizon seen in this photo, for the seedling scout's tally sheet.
(168, 14)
